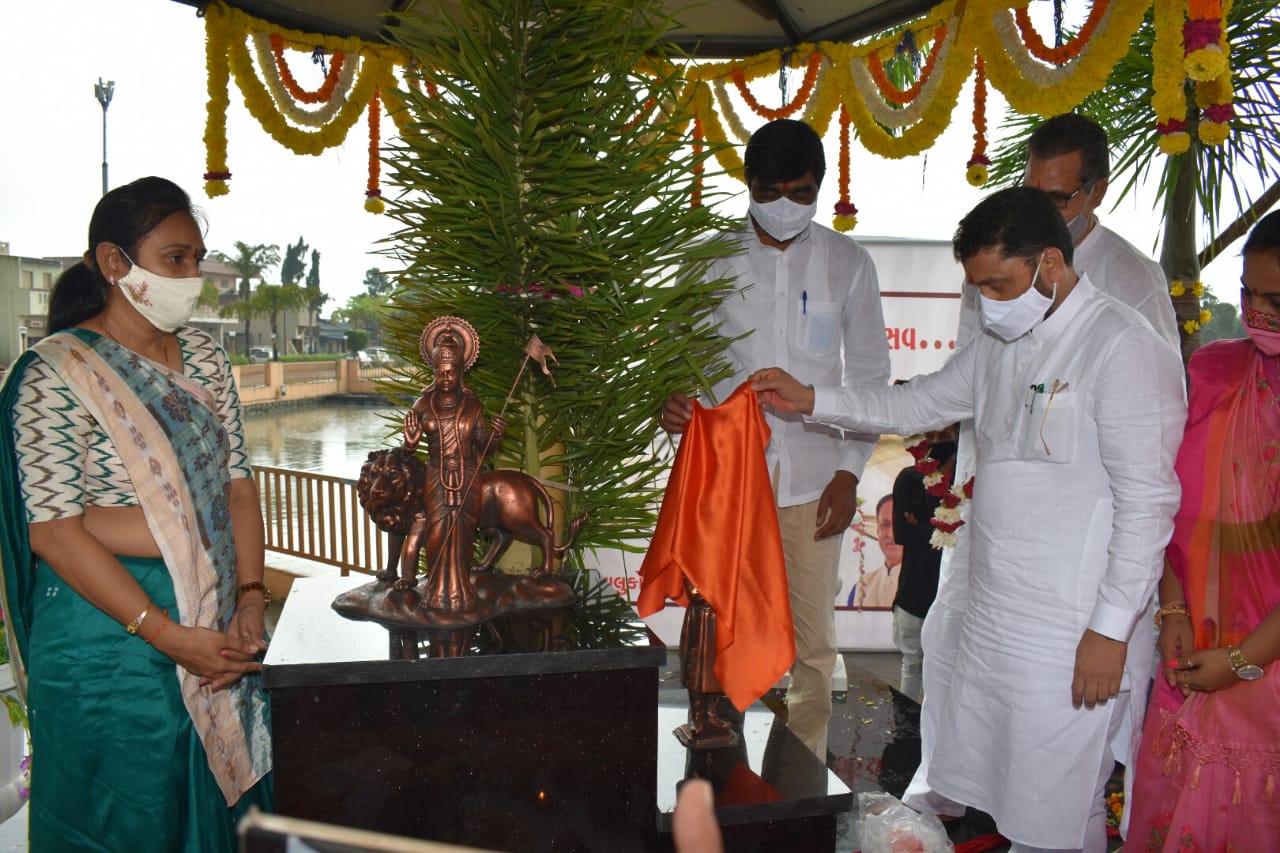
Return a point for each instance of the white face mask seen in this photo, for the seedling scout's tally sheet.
(1010, 319)
(166, 303)
(1078, 225)
(782, 219)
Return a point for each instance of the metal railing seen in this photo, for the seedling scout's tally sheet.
(318, 517)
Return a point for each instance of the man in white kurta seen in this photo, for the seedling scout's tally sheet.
(1068, 157)
(1077, 422)
(805, 297)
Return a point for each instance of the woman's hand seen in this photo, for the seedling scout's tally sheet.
(1204, 672)
(218, 659)
(781, 391)
(1176, 638)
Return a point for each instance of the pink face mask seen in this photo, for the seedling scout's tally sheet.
(1264, 328)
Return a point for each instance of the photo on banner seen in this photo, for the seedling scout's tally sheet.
(920, 285)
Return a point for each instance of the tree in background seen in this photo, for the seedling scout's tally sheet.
(315, 299)
(376, 283)
(293, 267)
(270, 300)
(250, 261)
(357, 339)
(547, 190)
(209, 295)
(1224, 320)
(364, 312)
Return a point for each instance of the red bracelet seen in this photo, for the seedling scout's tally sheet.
(163, 625)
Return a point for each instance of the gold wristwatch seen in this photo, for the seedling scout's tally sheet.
(1244, 670)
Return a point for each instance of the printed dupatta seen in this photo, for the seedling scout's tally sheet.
(166, 432)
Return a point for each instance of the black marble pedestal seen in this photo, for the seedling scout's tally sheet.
(771, 792)
(529, 752)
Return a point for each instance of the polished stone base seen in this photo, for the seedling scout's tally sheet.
(772, 794)
(524, 752)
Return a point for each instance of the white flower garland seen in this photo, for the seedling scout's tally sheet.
(285, 102)
(884, 112)
(727, 111)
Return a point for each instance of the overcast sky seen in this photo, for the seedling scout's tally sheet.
(51, 150)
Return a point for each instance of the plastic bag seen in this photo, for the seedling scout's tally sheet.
(885, 825)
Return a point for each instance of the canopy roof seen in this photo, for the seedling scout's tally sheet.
(712, 28)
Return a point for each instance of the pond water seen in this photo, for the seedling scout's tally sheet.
(325, 438)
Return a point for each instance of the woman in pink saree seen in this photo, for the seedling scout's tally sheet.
(1209, 764)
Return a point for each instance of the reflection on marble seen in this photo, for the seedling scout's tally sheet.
(771, 792)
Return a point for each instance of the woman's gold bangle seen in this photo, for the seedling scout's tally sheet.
(1178, 609)
(133, 627)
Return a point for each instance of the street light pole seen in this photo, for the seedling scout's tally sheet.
(103, 91)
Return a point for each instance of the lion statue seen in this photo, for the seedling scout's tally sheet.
(391, 488)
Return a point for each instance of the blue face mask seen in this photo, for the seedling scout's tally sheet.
(1010, 319)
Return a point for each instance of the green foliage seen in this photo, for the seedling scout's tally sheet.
(209, 295)
(357, 339)
(376, 282)
(363, 311)
(539, 194)
(293, 266)
(1225, 321)
(250, 261)
(269, 300)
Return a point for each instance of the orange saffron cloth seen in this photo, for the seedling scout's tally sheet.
(718, 526)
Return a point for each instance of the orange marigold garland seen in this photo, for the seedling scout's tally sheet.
(788, 110)
(892, 93)
(1064, 53)
(321, 95)
(979, 164)
(373, 195)
(846, 218)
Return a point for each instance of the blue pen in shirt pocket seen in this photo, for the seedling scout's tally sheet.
(804, 302)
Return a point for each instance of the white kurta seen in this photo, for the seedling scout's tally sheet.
(1073, 506)
(1115, 267)
(814, 310)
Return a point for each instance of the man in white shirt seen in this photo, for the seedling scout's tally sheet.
(805, 297)
(1078, 409)
(1068, 158)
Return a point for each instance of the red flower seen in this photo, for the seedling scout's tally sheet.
(927, 465)
(968, 488)
(919, 450)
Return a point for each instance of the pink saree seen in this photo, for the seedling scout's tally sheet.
(1208, 766)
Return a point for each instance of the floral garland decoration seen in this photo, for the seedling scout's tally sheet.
(979, 164)
(946, 518)
(892, 93)
(846, 218)
(787, 110)
(1178, 287)
(364, 71)
(373, 193)
(1168, 97)
(1214, 97)
(1203, 57)
(1063, 53)
(215, 128)
(928, 115)
(1034, 88)
(321, 95)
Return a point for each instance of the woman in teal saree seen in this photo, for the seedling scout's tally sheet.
(133, 567)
